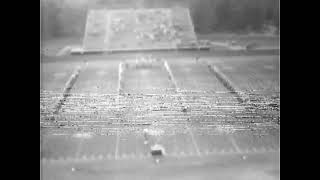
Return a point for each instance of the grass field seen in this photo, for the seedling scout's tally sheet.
(98, 131)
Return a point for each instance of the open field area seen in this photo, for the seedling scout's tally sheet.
(159, 89)
(96, 128)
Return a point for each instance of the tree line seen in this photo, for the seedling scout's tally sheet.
(235, 15)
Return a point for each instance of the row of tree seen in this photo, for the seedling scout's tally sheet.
(235, 15)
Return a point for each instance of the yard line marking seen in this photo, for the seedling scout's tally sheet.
(241, 97)
(120, 70)
(86, 29)
(235, 145)
(167, 67)
(69, 84)
(117, 146)
(64, 51)
(194, 142)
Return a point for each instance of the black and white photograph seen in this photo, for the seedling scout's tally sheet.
(159, 89)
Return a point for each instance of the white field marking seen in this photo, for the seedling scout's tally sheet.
(89, 12)
(227, 82)
(194, 142)
(59, 134)
(85, 29)
(166, 65)
(64, 51)
(235, 145)
(68, 86)
(118, 100)
(117, 146)
(153, 132)
(83, 135)
(191, 23)
(74, 77)
(120, 70)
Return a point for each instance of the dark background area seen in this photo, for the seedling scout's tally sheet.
(61, 18)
